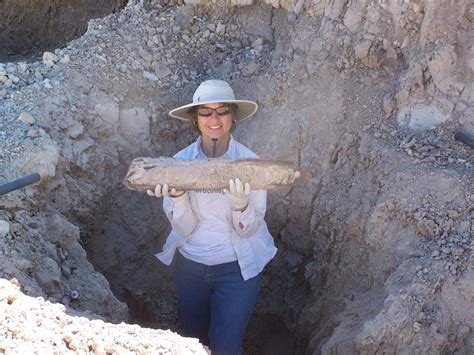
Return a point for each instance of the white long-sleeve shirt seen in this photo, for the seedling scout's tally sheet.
(207, 230)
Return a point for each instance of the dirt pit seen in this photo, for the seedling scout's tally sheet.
(375, 252)
(31, 27)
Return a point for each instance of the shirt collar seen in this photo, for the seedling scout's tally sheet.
(199, 154)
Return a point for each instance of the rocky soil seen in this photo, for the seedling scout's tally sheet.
(375, 252)
(35, 326)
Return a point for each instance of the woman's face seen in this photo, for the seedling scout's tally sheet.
(217, 125)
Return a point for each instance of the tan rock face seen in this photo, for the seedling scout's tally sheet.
(441, 65)
(134, 126)
(43, 162)
(4, 228)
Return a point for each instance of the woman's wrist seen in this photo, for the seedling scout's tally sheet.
(178, 195)
(242, 209)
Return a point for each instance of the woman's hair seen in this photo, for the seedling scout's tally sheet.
(194, 117)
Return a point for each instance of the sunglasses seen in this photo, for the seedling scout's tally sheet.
(220, 111)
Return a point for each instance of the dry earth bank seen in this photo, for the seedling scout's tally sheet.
(29, 26)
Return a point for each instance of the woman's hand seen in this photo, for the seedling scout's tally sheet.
(161, 191)
(238, 194)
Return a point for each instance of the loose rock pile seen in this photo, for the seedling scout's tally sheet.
(35, 326)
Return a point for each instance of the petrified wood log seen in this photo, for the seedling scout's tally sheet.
(212, 174)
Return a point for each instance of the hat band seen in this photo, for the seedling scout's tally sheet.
(213, 98)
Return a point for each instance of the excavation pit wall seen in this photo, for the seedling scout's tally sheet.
(30, 27)
(367, 249)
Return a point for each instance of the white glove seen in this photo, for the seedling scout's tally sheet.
(238, 194)
(161, 191)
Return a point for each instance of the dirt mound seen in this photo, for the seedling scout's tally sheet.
(375, 252)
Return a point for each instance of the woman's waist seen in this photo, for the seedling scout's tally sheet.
(214, 226)
(203, 235)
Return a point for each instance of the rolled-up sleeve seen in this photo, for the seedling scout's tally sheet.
(180, 214)
(247, 222)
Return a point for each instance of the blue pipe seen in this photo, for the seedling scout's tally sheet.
(19, 183)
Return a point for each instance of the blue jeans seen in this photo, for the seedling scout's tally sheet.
(215, 303)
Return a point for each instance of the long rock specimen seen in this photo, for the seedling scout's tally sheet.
(212, 174)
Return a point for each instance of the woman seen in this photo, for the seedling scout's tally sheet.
(221, 238)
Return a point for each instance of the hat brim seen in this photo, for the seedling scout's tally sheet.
(246, 109)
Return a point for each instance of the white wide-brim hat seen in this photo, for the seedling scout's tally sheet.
(212, 91)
